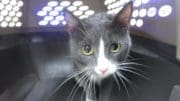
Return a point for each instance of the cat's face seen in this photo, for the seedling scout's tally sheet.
(100, 43)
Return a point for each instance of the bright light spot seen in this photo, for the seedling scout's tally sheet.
(89, 12)
(18, 24)
(106, 2)
(58, 8)
(11, 24)
(126, 1)
(12, 13)
(52, 3)
(60, 18)
(72, 8)
(133, 22)
(54, 22)
(118, 4)
(4, 12)
(65, 3)
(135, 13)
(5, 1)
(137, 3)
(139, 23)
(1, 6)
(165, 11)
(20, 3)
(152, 12)
(42, 13)
(77, 3)
(15, 19)
(145, 1)
(4, 24)
(78, 13)
(54, 13)
(109, 7)
(142, 12)
(47, 8)
(43, 22)
(19, 14)
(13, 2)
(8, 7)
(83, 17)
(83, 8)
(16, 8)
(1, 18)
(48, 18)
(8, 18)
(64, 22)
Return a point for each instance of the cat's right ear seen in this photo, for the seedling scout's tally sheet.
(72, 21)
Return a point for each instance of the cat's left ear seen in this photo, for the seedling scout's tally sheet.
(72, 21)
(123, 17)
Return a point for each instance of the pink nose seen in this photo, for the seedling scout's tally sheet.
(103, 70)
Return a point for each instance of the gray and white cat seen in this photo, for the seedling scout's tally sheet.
(99, 47)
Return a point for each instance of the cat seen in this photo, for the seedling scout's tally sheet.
(99, 46)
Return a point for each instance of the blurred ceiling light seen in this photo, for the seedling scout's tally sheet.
(47, 8)
(18, 24)
(12, 13)
(15, 19)
(60, 18)
(145, 1)
(16, 8)
(152, 12)
(137, 3)
(77, 3)
(77, 13)
(11, 24)
(53, 13)
(83, 8)
(58, 8)
(52, 3)
(106, 2)
(133, 22)
(5, 1)
(1, 18)
(8, 7)
(8, 18)
(135, 13)
(65, 3)
(42, 13)
(4, 12)
(20, 3)
(83, 17)
(142, 12)
(1, 6)
(126, 1)
(89, 12)
(13, 2)
(19, 14)
(72, 8)
(54, 22)
(165, 11)
(64, 22)
(48, 18)
(139, 23)
(43, 22)
(4, 24)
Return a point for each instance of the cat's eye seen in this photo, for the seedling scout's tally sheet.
(115, 47)
(87, 50)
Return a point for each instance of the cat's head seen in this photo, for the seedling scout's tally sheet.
(99, 43)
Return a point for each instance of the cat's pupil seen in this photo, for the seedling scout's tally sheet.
(114, 46)
(87, 48)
